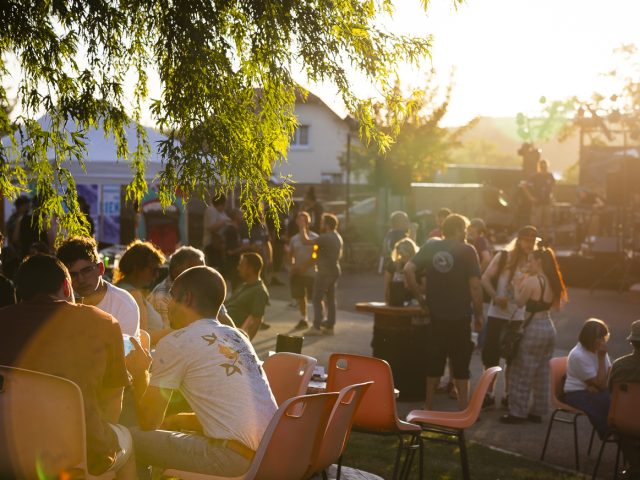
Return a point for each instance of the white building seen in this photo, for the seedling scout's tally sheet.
(319, 142)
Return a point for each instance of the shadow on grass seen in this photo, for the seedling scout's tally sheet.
(375, 454)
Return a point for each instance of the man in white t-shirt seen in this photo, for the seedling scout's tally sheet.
(80, 256)
(217, 371)
(302, 269)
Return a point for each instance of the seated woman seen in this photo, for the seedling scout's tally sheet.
(395, 289)
(587, 371)
(137, 272)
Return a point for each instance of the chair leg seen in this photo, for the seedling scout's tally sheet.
(597, 465)
(421, 453)
(615, 472)
(593, 432)
(324, 475)
(463, 455)
(575, 441)
(339, 469)
(396, 465)
(546, 439)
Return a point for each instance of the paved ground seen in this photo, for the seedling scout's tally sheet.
(354, 333)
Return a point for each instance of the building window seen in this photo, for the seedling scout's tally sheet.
(301, 136)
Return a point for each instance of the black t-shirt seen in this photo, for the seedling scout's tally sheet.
(448, 265)
(541, 185)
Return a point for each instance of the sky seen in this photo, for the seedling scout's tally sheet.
(509, 53)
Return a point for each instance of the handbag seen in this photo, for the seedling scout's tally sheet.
(511, 336)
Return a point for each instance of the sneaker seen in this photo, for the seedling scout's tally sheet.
(327, 330)
(325, 324)
(265, 326)
(302, 325)
(512, 420)
(534, 418)
(314, 332)
(488, 402)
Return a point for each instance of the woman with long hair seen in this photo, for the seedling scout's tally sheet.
(506, 268)
(541, 290)
(396, 292)
(137, 272)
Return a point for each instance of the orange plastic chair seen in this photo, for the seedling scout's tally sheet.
(288, 374)
(377, 413)
(338, 429)
(558, 370)
(287, 446)
(42, 426)
(454, 423)
(623, 419)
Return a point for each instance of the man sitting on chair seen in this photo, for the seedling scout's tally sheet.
(216, 369)
(627, 370)
(47, 332)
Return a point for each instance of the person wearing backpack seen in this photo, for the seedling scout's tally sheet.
(498, 281)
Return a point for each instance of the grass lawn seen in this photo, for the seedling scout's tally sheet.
(376, 454)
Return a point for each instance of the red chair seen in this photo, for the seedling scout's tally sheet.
(623, 418)
(288, 374)
(377, 413)
(288, 444)
(42, 426)
(558, 371)
(336, 435)
(454, 423)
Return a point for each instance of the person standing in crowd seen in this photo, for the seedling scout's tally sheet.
(400, 225)
(11, 254)
(7, 289)
(627, 370)
(477, 236)
(136, 273)
(217, 371)
(539, 189)
(396, 292)
(328, 249)
(234, 246)
(302, 270)
(588, 368)
(213, 220)
(47, 332)
(452, 287)
(499, 280)
(538, 291)
(440, 217)
(314, 209)
(80, 256)
(247, 304)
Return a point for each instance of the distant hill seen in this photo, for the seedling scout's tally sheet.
(494, 141)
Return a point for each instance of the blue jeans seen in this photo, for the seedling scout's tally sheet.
(324, 286)
(595, 405)
(187, 452)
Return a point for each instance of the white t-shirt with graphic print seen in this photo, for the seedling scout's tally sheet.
(217, 371)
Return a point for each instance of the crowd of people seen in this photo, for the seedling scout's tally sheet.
(69, 317)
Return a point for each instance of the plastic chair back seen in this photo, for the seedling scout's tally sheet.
(475, 404)
(42, 426)
(377, 410)
(145, 340)
(288, 374)
(338, 429)
(558, 370)
(623, 411)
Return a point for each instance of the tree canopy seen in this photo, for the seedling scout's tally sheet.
(227, 88)
(422, 145)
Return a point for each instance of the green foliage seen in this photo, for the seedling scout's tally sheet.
(227, 91)
(554, 117)
(421, 146)
(480, 151)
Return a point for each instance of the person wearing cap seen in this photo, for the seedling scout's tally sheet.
(627, 370)
(498, 280)
(588, 368)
